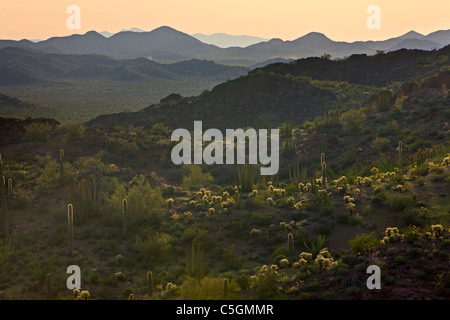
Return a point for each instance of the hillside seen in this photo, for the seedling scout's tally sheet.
(305, 233)
(302, 89)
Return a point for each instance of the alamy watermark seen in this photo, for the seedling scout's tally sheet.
(213, 153)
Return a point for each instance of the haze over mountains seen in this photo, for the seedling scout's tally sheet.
(167, 45)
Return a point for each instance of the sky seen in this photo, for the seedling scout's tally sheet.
(344, 20)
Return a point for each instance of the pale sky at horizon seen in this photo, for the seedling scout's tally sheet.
(343, 20)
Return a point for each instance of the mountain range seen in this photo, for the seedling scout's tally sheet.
(22, 67)
(167, 45)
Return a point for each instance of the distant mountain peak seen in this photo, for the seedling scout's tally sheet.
(412, 35)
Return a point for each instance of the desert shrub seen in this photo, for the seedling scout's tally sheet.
(399, 202)
(144, 203)
(6, 249)
(204, 289)
(381, 144)
(38, 132)
(363, 243)
(40, 267)
(352, 121)
(155, 248)
(159, 129)
(389, 129)
(51, 174)
(195, 178)
(75, 132)
(231, 259)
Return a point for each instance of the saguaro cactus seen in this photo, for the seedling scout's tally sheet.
(125, 216)
(61, 167)
(324, 170)
(150, 283)
(226, 288)
(400, 151)
(70, 227)
(290, 243)
(4, 204)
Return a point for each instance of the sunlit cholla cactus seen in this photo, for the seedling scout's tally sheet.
(290, 201)
(348, 199)
(76, 293)
(446, 160)
(119, 258)
(284, 263)
(301, 186)
(437, 230)
(300, 263)
(170, 286)
(255, 233)
(202, 191)
(170, 202)
(341, 180)
(269, 200)
(188, 214)
(399, 188)
(340, 189)
(199, 194)
(229, 203)
(324, 260)
(225, 194)
(322, 192)
(319, 182)
(298, 206)
(253, 194)
(367, 181)
(85, 295)
(359, 180)
(192, 202)
(357, 192)
(392, 235)
(306, 256)
(269, 183)
(211, 211)
(350, 206)
(374, 170)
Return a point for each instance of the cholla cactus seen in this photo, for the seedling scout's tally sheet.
(284, 263)
(359, 180)
(399, 188)
(348, 199)
(437, 230)
(290, 201)
(446, 160)
(192, 202)
(255, 233)
(350, 206)
(306, 256)
(357, 192)
(211, 211)
(119, 258)
(85, 295)
(253, 194)
(298, 206)
(301, 186)
(269, 183)
(374, 170)
(300, 263)
(225, 194)
(170, 202)
(188, 214)
(270, 200)
(322, 192)
(392, 235)
(170, 286)
(76, 293)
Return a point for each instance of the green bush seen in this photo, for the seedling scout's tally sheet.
(195, 178)
(144, 203)
(352, 121)
(399, 202)
(155, 248)
(38, 132)
(363, 243)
